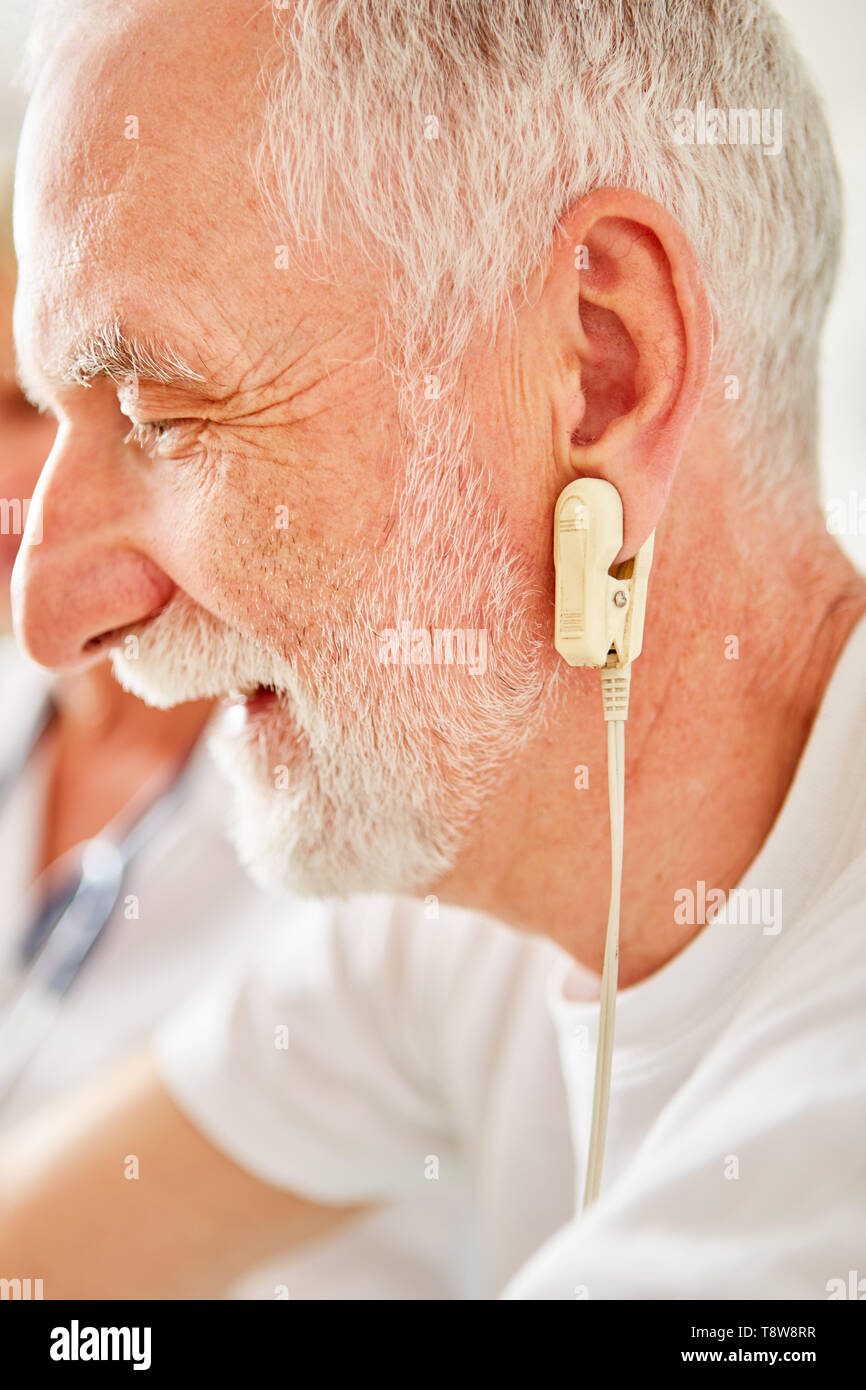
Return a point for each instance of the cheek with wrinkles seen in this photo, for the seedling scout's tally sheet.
(258, 552)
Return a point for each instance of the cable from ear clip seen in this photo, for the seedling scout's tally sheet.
(615, 682)
(599, 620)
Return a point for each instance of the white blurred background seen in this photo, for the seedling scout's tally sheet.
(14, 18)
(832, 37)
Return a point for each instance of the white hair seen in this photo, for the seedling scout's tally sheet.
(533, 104)
(446, 138)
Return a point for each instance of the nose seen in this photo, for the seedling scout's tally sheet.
(81, 576)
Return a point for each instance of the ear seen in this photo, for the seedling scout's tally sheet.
(625, 300)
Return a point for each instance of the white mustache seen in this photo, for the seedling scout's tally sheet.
(185, 654)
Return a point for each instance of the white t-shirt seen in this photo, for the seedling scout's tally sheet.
(374, 1055)
(735, 1163)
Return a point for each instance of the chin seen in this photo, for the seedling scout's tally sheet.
(301, 838)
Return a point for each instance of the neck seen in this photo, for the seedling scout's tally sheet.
(744, 626)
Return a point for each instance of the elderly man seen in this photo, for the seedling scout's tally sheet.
(85, 766)
(330, 304)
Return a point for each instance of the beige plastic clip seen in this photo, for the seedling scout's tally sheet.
(599, 607)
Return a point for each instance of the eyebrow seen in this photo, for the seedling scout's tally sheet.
(113, 353)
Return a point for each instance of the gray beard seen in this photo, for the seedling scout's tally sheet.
(383, 766)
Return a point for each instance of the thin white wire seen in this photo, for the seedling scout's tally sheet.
(610, 969)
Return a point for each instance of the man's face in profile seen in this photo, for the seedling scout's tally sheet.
(236, 502)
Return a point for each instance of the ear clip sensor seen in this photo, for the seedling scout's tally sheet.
(599, 607)
(599, 619)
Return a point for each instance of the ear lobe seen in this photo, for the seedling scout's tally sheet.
(637, 333)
